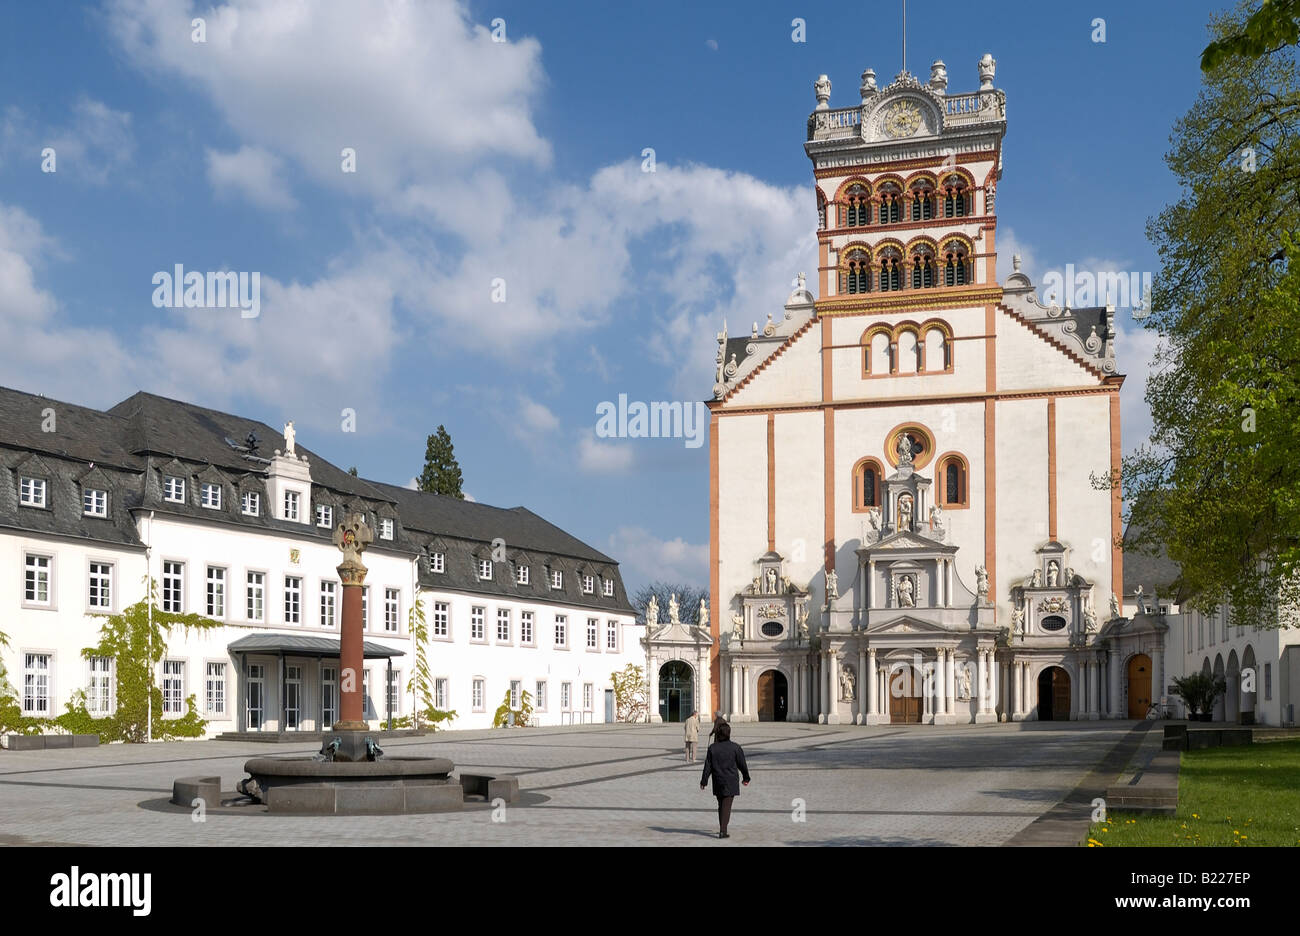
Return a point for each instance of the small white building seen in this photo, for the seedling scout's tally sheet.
(233, 522)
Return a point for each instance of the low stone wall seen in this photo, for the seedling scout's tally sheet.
(17, 742)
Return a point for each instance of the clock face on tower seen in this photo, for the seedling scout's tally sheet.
(902, 119)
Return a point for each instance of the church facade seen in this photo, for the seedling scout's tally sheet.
(906, 521)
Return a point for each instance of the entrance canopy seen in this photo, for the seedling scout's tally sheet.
(301, 645)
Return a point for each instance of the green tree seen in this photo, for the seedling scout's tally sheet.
(353, 471)
(631, 693)
(522, 715)
(1218, 482)
(1271, 28)
(441, 473)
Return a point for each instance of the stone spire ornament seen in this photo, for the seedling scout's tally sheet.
(289, 438)
(987, 66)
(822, 88)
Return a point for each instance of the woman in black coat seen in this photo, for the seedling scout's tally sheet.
(725, 763)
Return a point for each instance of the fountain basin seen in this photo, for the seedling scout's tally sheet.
(388, 786)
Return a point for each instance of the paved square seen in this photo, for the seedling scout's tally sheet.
(596, 785)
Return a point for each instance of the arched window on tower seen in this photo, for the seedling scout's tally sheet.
(857, 206)
(953, 482)
(922, 191)
(956, 197)
(855, 271)
(891, 203)
(923, 267)
(866, 484)
(956, 264)
(821, 212)
(891, 262)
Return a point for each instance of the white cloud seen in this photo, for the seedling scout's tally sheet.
(643, 556)
(1135, 348)
(412, 86)
(601, 457)
(251, 172)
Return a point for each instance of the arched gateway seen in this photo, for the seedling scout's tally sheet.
(676, 691)
(773, 696)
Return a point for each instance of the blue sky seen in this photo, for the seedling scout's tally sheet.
(518, 160)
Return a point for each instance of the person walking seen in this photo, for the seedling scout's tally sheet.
(725, 763)
(692, 736)
(718, 721)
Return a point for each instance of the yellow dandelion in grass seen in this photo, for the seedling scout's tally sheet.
(1244, 837)
(1196, 815)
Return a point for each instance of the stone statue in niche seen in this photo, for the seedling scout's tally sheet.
(906, 592)
(963, 682)
(801, 616)
(1018, 620)
(1053, 574)
(981, 581)
(754, 586)
(1089, 620)
(873, 519)
(652, 612)
(771, 582)
(1114, 606)
(1036, 580)
(737, 627)
(832, 584)
(936, 519)
(904, 450)
(848, 683)
(905, 512)
(703, 619)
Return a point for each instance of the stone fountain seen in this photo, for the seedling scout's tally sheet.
(351, 775)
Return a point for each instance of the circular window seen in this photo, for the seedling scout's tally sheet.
(921, 440)
(772, 628)
(1053, 623)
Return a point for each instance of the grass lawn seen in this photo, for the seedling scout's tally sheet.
(1246, 795)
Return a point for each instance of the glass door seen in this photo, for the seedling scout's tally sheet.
(256, 702)
(292, 698)
(329, 697)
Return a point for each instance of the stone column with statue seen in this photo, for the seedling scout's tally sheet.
(352, 536)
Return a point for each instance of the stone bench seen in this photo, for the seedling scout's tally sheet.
(186, 790)
(490, 787)
(51, 742)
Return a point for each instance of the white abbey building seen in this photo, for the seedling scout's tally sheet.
(903, 525)
(233, 521)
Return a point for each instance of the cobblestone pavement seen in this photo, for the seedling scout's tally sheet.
(595, 785)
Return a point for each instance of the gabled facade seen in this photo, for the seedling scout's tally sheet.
(915, 444)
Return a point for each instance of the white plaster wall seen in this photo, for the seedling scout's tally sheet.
(800, 488)
(1021, 488)
(1082, 512)
(742, 505)
(1026, 361)
(793, 375)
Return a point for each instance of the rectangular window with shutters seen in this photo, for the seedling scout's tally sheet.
(99, 692)
(292, 600)
(215, 606)
(173, 687)
(392, 610)
(214, 694)
(476, 625)
(327, 604)
(173, 587)
(255, 593)
(100, 597)
(503, 625)
(37, 578)
(36, 684)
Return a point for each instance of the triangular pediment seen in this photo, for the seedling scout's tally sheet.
(909, 540)
(907, 625)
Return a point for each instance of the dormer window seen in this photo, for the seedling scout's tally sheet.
(607, 587)
(324, 516)
(31, 492)
(557, 578)
(521, 575)
(291, 505)
(386, 528)
(588, 585)
(485, 570)
(94, 502)
(210, 496)
(437, 563)
(174, 489)
(251, 503)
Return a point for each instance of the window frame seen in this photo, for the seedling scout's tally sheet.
(206, 488)
(393, 604)
(105, 607)
(325, 512)
(527, 619)
(224, 685)
(607, 587)
(294, 592)
(91, 511)
(485, 570)
(108, 674)
(478, 621)
(48, 671)
(179, 578)
(561, 631)
(504, 616)
(611, 636)
(941, 481)
(329, 588)
(522, 575)
(557, 579)
(51, 592)
(593, 635)
(173, 489)
(34, 484)
(387, 528)
(859, 502)
(180, 697)
(250, 503)
(207, 591)
(437, 563)
(249, 595)
(478, 694)
(294, 498)
(445, 607)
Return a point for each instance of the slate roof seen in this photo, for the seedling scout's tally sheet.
(306, 646)
(1158, 571)
(136, 443)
